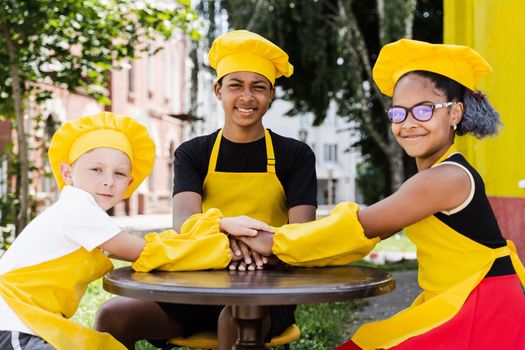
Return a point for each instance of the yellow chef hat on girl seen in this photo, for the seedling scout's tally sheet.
(244, 51)
(107, 130)
(459, 63)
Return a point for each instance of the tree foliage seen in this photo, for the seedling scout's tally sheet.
(71, 44)
(74, 44)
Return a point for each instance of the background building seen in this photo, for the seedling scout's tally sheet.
(336, 161)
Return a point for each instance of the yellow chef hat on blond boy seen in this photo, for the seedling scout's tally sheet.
(457, 62)
(105, 129)
(244, 51)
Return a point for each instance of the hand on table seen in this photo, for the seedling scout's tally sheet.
(262, 243)
(250, 253)
(243, 226)
(243, 258)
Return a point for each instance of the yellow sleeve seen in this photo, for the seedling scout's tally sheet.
(337, 239)
(199, 246)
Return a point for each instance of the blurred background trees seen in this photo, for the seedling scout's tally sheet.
(70, 44)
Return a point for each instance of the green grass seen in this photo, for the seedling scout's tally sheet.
(398, 242)
(323, 325)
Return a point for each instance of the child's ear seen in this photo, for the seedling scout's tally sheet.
(456, 113)
(66, 172)
(217, 91)
(130, 180)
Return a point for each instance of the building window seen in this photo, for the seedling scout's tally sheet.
(330, 152)
(167, 74)
(131, 78)
(170, 165)
(149, 70)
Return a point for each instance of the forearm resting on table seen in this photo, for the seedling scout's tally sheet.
(336, 239)
(199, 246)
(124, 246)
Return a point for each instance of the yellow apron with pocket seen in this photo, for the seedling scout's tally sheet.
(45, 295)
(451, 265)
(257, 195)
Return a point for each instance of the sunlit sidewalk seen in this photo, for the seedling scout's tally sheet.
(144, 223)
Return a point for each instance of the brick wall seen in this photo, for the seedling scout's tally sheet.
(510, 212)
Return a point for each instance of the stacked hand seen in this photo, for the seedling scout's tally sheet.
(251, 242)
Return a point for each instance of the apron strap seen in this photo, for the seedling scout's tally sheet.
(215, 153)
(270, 155)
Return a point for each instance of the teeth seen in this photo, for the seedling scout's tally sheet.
(245, 110)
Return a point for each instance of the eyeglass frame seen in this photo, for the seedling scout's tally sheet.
(409, 110)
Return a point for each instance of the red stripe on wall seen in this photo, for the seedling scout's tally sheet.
(510, 213)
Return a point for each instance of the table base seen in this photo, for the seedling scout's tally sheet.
(250, 320)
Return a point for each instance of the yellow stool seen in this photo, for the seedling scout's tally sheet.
(208, 339)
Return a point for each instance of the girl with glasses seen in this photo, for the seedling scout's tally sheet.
(470, 275)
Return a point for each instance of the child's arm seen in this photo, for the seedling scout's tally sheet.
(349, 232)
(428, 192)
(124, 246)
(262, 243)
(185, 204)
(240, 226)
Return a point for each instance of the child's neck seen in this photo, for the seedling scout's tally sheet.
(437, 157)
(243, 135)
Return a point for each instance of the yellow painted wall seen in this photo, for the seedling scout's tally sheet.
(496, 29)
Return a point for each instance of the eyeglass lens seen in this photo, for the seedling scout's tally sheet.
(421, 113)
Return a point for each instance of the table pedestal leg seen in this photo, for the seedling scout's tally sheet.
(249, 318)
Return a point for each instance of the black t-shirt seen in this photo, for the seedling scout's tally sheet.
(295, 164)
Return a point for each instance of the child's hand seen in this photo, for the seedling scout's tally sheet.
(243, 258)
(243, 226)
(262, 243)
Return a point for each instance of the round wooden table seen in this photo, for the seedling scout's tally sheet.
(250, 292)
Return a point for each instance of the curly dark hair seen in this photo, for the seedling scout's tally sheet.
(479, 117)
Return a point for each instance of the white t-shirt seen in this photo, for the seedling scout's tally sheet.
(74, 221)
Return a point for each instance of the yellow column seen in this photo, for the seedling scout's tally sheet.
(496, 29)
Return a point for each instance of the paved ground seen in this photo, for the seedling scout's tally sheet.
(144, 223)
(384, 306)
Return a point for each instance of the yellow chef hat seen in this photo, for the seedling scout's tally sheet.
(244, 51)
(459, 63)
(105, 129)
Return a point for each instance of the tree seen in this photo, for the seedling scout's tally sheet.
(71, 44)
(333, 45)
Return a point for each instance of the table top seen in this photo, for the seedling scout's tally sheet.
(271, 286)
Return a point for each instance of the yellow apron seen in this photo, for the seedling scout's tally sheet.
(258, 195)
(451, 265)
(200, 244)
(44, 296)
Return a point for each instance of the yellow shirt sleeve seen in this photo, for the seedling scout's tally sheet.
(200, 246)
(337, 239)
